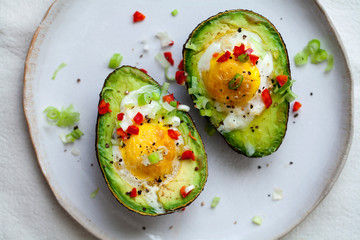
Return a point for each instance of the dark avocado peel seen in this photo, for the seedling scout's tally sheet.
(117, 85)
(265, 133)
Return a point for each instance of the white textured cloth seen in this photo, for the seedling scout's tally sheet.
(29, 209)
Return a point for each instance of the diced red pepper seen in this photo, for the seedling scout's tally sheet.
(249, 51)
(296, 106)
(168, 57)
(168, 98)
(133, 130)
(120, 116)
(171, 43)
(215, 55)
(143, 70)
(133, 192)
(183, 209)
(238, 50)
(174, 134)
(183, 193)
(104, 107)
(121, 133)
(224, 57)
(180, 77)
(282, 79)
(138, 17)
(192, 136)
(138, 118)
(188, 154)
(181, 65)
(266, 98)
(254, 59)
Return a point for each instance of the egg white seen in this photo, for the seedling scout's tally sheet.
(241, 116)
(129, 106)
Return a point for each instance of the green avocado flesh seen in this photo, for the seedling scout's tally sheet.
(264, 134)
(161, 194)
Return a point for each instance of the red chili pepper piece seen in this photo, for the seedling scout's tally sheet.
(120, 116)
(104, 107)
(188, 154)
(171, 43)
(183, 193)
(254, 59)
(133, 130)
(215, 55)
(180, 77)
(138, 17)
(192, 136)
(181, 65)
(238, 50)
(143, 70)
(296, 106)
(121, 133)
(168, 57)
(249, 51)
(133, 192)
(224, 57)
(266, 98)
(138, 118)
(169, 98)
(282, 79)
(174, 134)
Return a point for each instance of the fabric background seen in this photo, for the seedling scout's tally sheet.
(29, 209)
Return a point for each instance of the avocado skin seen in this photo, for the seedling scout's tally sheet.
(231, 137)
(104, 153)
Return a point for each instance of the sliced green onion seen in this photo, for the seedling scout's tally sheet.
(257, 220)
(167, 76)
(232, 84)
(215, 202)
(330, 63)
(164, 88)
(301, 58)
(94, 193)
(76, 133)
(156, 96)
(52, 113)
(174, 12)
(162, 60)
(290, 96)
(167, 106)
(206, 112)
(144, 99)
(72, 136)
(312, 47)
(64, 118)
(154, 157)
(319, 56)
(209, 129)
(61, 66)
(173, 104)
(183, 108)
(285, 87)
(243, 58)
(115, 60)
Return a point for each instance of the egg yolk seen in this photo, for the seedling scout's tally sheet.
(217, 78)
(150, 137)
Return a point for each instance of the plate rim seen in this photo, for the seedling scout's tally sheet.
(86, 223)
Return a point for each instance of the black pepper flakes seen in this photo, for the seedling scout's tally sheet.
(196, 168)
(296, 115)
(139, 192)
(249, 72)
(259, 167)
(144, 208)
(311, 94)
(111, 162)
(291, 163)
(239, 30)
(107, 145)
(143, 228)
(78, 80)
(244, 36)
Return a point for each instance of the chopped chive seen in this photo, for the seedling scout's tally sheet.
(174, 12)
(61, 66)
(115, 60)
(330, 63)
(257, 220)
(243, 58)
(232, 84)
(215, 202)
(94, 193)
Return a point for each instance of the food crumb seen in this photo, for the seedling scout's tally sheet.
(65, 150)
(202, 204)
(171, 227)
(235, 222)
(259, 167)
(92, 164)
(296, 115)
(78, 80)
(143, 228)
(291, 163)
(311, 94)
(277, 194)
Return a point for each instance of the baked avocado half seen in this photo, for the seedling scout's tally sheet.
(148, 149)
(238, 75)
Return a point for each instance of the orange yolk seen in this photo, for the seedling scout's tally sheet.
(150, 137)
(217, 78)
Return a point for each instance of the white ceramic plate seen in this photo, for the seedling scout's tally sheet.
(85, 34)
